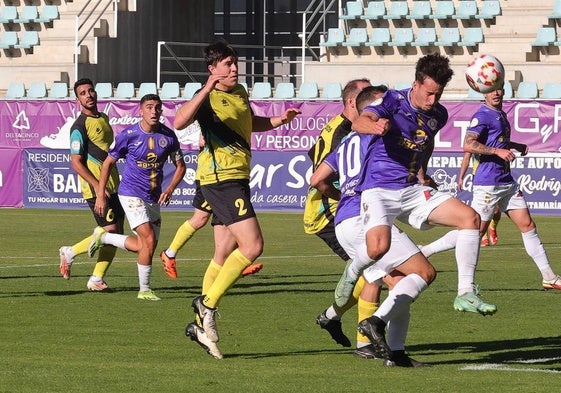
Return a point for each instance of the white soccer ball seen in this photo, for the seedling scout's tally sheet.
(485, 73)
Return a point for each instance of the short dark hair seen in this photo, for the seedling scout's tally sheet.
(218, 51)
(368, 94)
(150, 97)
(434, 66)
(351, 89)
(80, 82)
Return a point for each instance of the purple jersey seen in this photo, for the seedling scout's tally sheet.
(347, 159)
(492, 129)
(394, 159)
(145, 154)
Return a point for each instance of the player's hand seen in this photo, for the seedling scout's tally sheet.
(165, 198)
(214, 79)
(289, 115)
(100, 204)
(505, 154)
(381, 127)
(460, 184)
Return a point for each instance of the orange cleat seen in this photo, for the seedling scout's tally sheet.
(484, 242)
(169, 265)
(252, 269)
(493, 236)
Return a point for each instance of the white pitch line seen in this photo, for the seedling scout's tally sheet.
(502, 367)
(532, 361)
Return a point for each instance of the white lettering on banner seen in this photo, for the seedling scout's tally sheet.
(529, 185)
(124, 120)
(446, 162)
(544, 205)
(545, 130)
(260, 173)
(1, 179)
(281, 142)
(66, 184)
(301, 123)
(48, 157)
(544, 162)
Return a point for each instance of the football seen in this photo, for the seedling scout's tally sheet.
(485, 73)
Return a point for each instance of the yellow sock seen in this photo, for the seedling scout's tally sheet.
(493, 224)
(182, 236)
(228, 275)
(354, 299)
(82, 246)
(104, 259)
(365, 310)
(210, 275)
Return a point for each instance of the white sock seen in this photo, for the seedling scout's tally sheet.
(95, 278)
(467, 254)
(398, 328)
(170, 253)
(536, 251)
(144, 276)
(402, 295)
(446, 242)
(114, 239)
(331, 313)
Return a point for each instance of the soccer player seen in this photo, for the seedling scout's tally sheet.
(90, 138)
(146, 147)
(488, 136)
(222, 109)
(394, 183)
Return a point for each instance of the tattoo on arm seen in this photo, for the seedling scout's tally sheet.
(477, 147)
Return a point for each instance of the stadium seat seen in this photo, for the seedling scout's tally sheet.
(147, 88)
(37, 90)
(190, 89)
(420, 10)
(449, 36)
(374, 10)
(467, 9)
(403, 85)
(527, 90)
(308, 90)
(507, 90)
(475, 95)
(16, 90)
(556, 14)
(8, 14)
(426, 36)
(332, 91)
(335, 37)
(28, 14)
(403, 36)
(397, 10)
(472, 36)
(8, 40)
(357, 37)
(489, 9)
(125, 90)
(380, 36)
(546, 36)
(48, 14)
(59, 90)
(169, 91)
(284, 90)
(261, 90)
(104, 89)
(353, 10)
(28, 40)
(551, 90)
(444, 9)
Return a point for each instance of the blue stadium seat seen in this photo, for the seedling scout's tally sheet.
(556, 14)
(37, 90)
(426, 36)
(58, 90)
(308, 90)
(8, 14)
(527, 90)
(169, 91)
(8, 40)
(397, 10)
(190, 89)
(508, 93)
(475, 95)
(147, 88)
(380, 36)
(449, 36)
(551, 90)
(546, 36)
(467, 9)
(420, 10)
(357, 37)
(16, 90)
(28, 40)
(489, 9)
(284, 91)
(444, 9)
(353, 10)
(332, 91)
(261, 90)
(374, 10)
(403, 36)
(403, 85)
(472, 36)
(28, 14)
(335, 37)
(125, 90)
(48, 14)
(104, 89)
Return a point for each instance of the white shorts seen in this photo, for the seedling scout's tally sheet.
(411, 205)
(507, 197)
(351, 235)
(138, 212)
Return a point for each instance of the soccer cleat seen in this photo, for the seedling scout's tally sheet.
(400, 359)
(552, 284)
(375, 329)
(97, 286)
(197, 334)
(484, 242)
(95, 243)
(345, 287)
(207, 316)
(147, 295)
(493, 236)
(368, 352)
(471, 302)
(252, 269)
(65, 262)
(333, 327)
(169, 264)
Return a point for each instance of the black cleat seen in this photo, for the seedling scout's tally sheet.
(400, 359)
(375, 329)
(368, 352)
(334, 328)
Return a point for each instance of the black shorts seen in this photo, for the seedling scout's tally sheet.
(113, 211)
(327, 234)
(200, 203)
(230, 200)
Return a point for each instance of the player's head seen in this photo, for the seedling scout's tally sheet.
(494, 98)
(432, 74)
(150, 111)
(368, 95)
(222, 59)
(350, 92)
(86, 94)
